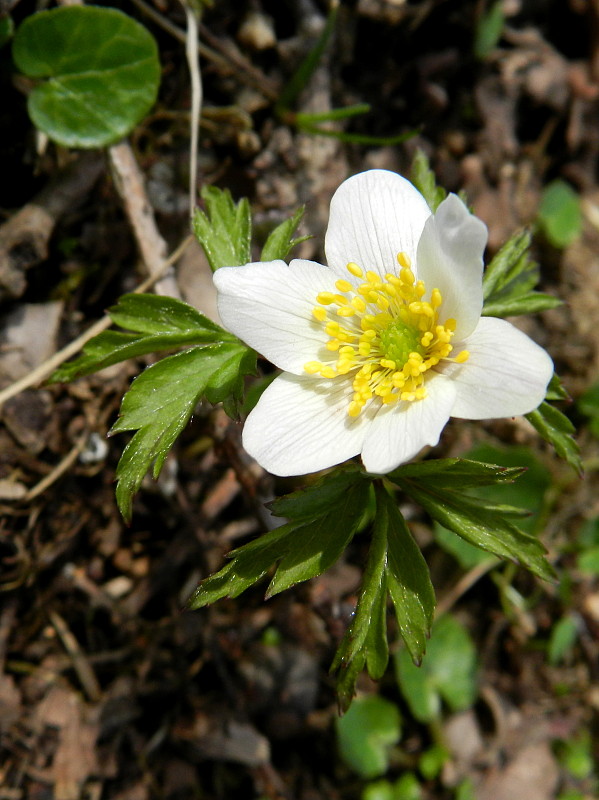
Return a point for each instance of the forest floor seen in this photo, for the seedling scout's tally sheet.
(109, 687)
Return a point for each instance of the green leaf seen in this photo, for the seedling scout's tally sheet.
(281, 241)
(555, 390)
(158, 406)
(488, 31)
(408, 579)
(527, 303)
(509, 279)
(557, 429)
(424, 180)
(563, 636)
(559, 214)
(481, 523)
(365, 640)
(99, 70)
(6, 30)
(366, 733)
(527, 492)
(459, 472)
(225, 229)
(324, 517)
(588, 404)
(448, 673)
(158, 323)
(588, 561)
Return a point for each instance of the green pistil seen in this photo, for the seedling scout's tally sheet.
(399, 340)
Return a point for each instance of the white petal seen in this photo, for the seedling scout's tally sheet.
(506, 375)
(269, 306)
(301, 425)
(450, 258)
(399, 432)
(374, 216)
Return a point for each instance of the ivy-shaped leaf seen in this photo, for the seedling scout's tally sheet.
(98, 73)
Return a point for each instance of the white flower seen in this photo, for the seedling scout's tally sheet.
(383, 346)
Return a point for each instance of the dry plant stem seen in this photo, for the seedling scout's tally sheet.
(191, 51)
(465, 583)
(80, 663)
(24, 237)
(75, 346)
(62, 467)
(130, 186)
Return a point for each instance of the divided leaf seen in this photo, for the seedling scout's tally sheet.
(395, 565)
(424, 180)
(556, 428)
(281, 240)
(509, 280)
(458, 472)
(323, 519)
(483, 524)
(158, 323)
(159, 405)
(224, 230)
(99, 70)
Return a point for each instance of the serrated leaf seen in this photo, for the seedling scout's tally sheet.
(159, 323)
(509, 279)
(225, 230)
(305, 546)
(366, 637)
(408, 579)
(557, 429)
(512, 255)
(559, 213)
(425, 181)
(480, 523)
(318, 498)
(158, 406)
(100, 73)
(528, 303)
(315, 545)
(458, 472)
(556, 390)
(280, 241)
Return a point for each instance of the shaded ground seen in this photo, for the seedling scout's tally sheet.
(108, 688)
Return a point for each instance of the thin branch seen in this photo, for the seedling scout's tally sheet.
(48, 367)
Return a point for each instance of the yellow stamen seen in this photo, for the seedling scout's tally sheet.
(390, 337)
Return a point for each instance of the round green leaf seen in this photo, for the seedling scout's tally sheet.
(366, 734)
(559, 213)
(100, 73)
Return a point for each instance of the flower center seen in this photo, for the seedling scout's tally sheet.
(386, 336)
